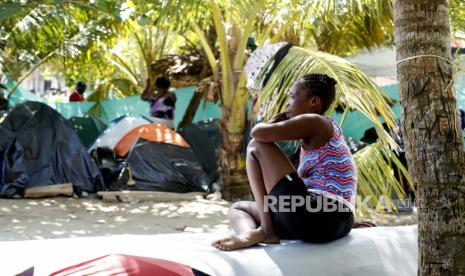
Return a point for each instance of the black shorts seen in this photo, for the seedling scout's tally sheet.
(308, 222)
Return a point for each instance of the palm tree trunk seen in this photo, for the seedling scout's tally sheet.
(432, 134)
(231, 167)
(231, 156)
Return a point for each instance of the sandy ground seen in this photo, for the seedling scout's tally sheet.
(25, 219)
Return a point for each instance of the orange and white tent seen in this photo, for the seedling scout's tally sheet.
(157, 133)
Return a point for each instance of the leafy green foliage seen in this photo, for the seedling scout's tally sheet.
(73, 35)
(457, 16)
(375, 171)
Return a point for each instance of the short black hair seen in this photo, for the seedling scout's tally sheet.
(320, 85)
(162, 83)
(80, 87)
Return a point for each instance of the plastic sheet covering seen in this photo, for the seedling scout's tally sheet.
(204, 138)
(109, 165)
(13, 175)
(163, 167)
(52, 150)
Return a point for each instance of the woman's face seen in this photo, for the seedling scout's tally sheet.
(301, 102)
(298, 100)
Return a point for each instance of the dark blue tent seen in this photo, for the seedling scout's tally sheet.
(13, 175)
(53, 153)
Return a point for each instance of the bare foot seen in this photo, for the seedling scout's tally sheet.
(248, 239)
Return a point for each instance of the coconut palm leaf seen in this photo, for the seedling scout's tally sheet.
(114, 88)
(457, 16)
(375, 170)
(70, 33)
(345, 27)
(125, 67)
(333, 26)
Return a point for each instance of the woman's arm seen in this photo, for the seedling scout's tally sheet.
(299, 127)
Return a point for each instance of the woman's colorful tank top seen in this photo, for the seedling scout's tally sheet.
(330, 170)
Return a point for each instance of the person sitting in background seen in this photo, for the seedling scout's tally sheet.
(76, 96)
(162, 101)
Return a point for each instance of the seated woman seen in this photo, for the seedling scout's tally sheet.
(315, 203)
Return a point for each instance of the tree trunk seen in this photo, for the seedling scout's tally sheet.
(191, 109)
(231, 156)
(231, 167)
(432, 134)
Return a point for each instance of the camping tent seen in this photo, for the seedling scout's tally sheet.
(204, 138)
(52, 150)
(116, 130)
(163, 167)
(13, 176)
(88, 128)
(156, 133)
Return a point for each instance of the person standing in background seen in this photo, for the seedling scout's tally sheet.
(77, 95)
(162, 101)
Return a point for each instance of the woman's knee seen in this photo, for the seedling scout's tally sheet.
(240, 205)
(251, 148)
(234, 208)
(255, 146)
(252, 143)
(236, 205)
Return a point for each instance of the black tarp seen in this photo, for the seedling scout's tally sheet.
(163, 167)
(204, 137)
(52, 149)
(108, 163)
(13, 176)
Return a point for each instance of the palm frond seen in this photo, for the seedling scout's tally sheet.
(457, 16)
(376, 177)
(333, 26)
(116, 88)
(73, 34)
(346, 27)
(12, 9)
(125, 67)
(353, 88)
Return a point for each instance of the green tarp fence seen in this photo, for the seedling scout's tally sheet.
(115, 108)
(354, 126)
